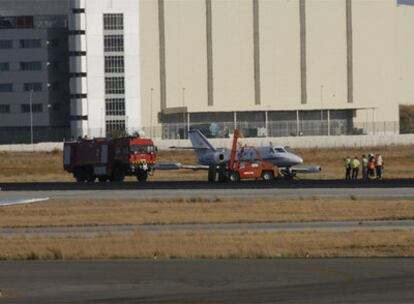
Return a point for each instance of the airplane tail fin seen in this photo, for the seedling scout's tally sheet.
(200, 143)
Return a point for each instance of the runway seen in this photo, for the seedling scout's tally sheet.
(279, 190)
(93, 231)
(210, 281)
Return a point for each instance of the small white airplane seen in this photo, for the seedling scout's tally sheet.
(216, 159)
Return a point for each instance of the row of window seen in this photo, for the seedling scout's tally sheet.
(28, 43)
(115, 106)
(30, 86)
(114, 85)
(30, 66)
(113, 126)
(114, 64)
(113, 21)
(25, 108)
(113, 43)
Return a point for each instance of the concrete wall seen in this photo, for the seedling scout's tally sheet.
(293, 142)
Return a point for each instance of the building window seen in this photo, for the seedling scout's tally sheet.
(78, 10)
(4, 109)
(54, 86)
(53, 43)
(36, 108)
(6, 44)
(30, 43)
(53, 65)
(112, 126)
(6, 87)
(113, 21)
(115, 106)
(114, 64)
(31, 66)
(34, 86)
(114, 85)
(4, 66)
(114, 43)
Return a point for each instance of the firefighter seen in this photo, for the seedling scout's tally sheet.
(355, 168)
(364, 167)
(347, 166)
(379, 165)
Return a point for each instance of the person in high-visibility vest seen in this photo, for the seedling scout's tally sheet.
(347, 166)
(371, 166)
(379, 166)
(364, 167)
(355, 164)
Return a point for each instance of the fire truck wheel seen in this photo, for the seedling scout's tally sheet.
(117, 175)
(234, 177)
(102, 179)
(80, 175)
(142, 176)
(267, 176)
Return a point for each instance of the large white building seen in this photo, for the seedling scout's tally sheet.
(276, 67)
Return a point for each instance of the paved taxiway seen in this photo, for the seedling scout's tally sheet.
(385, 189)
(210, 281)
(90, 231)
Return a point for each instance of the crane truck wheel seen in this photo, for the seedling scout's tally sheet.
(234, 177)
(267, 176)
(212, 173)
(142, 175)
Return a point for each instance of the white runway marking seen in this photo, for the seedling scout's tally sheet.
(12, 202)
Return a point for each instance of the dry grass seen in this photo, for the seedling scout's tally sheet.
(197, 211)
(47, 167)
(213, 245)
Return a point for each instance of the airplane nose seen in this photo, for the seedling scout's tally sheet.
(299, 160)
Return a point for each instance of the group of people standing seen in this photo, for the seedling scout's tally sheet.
(371, 165)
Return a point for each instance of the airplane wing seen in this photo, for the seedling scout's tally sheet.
(21, 201)
(178, 166)
(306, 169)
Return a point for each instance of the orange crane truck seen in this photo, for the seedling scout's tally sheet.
(240, 168)
(109, 159)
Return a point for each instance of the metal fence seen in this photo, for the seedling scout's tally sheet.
(211, 130)
(274, 129)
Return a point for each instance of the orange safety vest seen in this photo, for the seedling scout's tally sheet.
(371, 164)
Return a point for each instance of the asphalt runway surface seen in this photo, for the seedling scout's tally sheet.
(352, 280)
(297, 189)
(93, 231)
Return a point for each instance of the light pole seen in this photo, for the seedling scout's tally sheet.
(321, 109)
(184, 127)
(151, 96)
(31, 118)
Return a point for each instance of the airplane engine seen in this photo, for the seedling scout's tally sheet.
(214, 158)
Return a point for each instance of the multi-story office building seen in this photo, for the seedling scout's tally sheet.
(34, 72)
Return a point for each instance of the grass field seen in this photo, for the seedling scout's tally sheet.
(92, 213)
(47, 167)
(212, 245)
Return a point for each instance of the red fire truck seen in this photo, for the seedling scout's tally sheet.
(109, 159)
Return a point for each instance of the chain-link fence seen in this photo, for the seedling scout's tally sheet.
(210, 129)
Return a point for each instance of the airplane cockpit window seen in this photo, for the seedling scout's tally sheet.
(280, 150)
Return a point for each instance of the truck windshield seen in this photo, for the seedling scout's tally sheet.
(136, 149)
